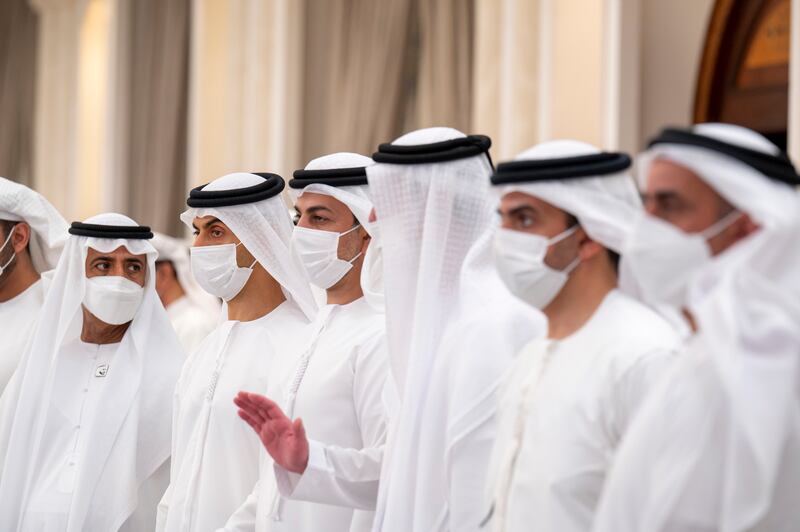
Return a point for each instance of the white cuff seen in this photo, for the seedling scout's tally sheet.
(291, 485)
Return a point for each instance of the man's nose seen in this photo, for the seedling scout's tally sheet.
(118, 269)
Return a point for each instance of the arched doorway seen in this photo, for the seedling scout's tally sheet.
(744, 73)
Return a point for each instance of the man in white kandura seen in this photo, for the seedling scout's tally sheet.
(326, 426)
(241, 254)
(194, 313)
(85, 422)
(566, 210)
(717, 445)
(452, 328)
(32, 233)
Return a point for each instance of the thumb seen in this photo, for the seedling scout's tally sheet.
(299, 429)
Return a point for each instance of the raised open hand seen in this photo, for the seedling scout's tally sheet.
(285, 440)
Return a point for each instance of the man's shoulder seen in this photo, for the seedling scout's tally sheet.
(631, 323)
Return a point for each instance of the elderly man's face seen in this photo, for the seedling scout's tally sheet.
(120, 262)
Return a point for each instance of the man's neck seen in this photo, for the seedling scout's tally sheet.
(579, 299)
(99, 332)
(19, 280)
(261, 295)
(348, 289)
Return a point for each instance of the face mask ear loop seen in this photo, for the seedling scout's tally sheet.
(254, 260)
(358, 224)
(13, 255)
(562, 235)
(350, 230)
(10, 234)
(572, 265)
(720, 225)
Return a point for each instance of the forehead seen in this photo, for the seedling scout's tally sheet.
(310, 200)
(664, 173)
(121, 253)
(519, 200)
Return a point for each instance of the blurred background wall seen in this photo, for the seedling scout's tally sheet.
(126, 104)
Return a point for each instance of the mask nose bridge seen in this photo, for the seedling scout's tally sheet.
(720, 225)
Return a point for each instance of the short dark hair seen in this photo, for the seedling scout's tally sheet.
(613, 256)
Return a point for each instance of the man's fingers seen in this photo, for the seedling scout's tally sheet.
(250, 421)
(253, 412)
(242, 399)
(268, 407)
(267, 418)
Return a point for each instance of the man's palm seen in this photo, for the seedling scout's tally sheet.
(285, 440)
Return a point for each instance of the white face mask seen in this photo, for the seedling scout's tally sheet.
(13, 255)
(519, 258)
(663, 259)
(112, 299)
(216, 271)
(319, 253)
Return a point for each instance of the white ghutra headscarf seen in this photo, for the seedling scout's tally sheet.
(18, 203)
(452, 326)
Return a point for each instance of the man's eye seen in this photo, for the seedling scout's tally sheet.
(103, 266)
(195, 232)
(524, 221)
(672, 205)
(135, 267)
(216, 233)
(318, 219)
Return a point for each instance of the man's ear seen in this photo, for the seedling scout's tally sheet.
(587, 248)
(21, 237)
(365, 238)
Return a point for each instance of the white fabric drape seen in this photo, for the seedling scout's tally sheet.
(446, 310)
(716, 446)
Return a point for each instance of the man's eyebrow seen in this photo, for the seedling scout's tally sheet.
(517, 210)
(209, 223)
(317, 208)
(660, 195)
